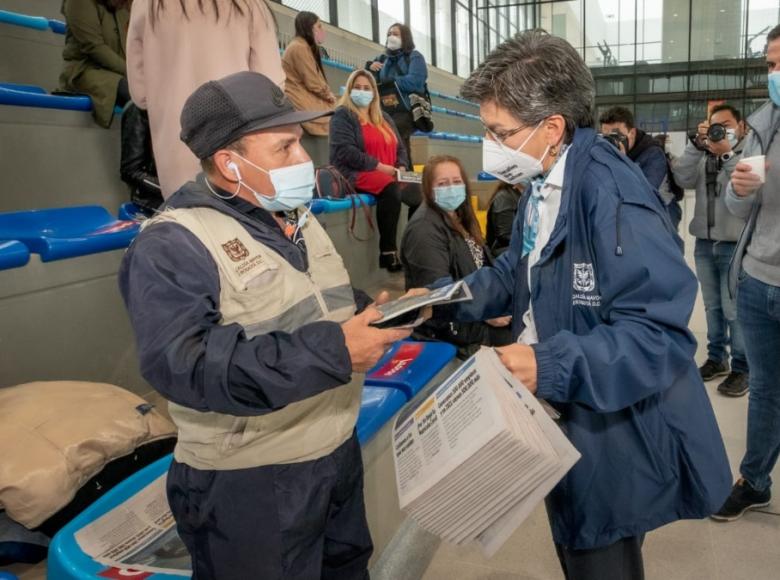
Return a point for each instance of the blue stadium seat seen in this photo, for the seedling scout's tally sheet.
(13, 254)
(57, 26)
(16, 19)
(32, 96)
(378, 406)
(409, 365)
(67, 232)
(482, 176)
(322, 205)
(66, 559)
(130, 211)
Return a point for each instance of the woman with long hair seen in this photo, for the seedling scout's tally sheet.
(174, 46)
(366, 148)
(403, 65)
(443, 240)
(306, 84)
(94, 54)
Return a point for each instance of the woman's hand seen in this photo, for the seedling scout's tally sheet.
(386, 169)
(376, 66)
(520, 360)
(500, 322)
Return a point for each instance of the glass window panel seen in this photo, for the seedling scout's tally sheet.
(464, 38)
(760, 19)
(674, 30)
(444, 34)
(355, 16)
(649, 36)
(420, 23)
(609, 32)
(320, 7)
(716, 29)
(390, 12)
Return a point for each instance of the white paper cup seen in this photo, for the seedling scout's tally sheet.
(757, 164)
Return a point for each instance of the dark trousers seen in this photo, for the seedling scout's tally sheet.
(619, 561)
(404, 124)
(122, 92)
(299, 521)
(388, 210)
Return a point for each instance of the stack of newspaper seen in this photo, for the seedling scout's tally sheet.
(476, 457)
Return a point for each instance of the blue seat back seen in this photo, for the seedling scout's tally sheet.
(409, 365)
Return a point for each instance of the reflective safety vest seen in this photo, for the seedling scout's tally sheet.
(263, 293)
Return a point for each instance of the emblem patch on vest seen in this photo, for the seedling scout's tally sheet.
(235, 250)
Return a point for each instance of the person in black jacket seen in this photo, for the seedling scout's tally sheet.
(501, 216)
(443, 240)
(137, 167)
(648, 153)
(367, 149)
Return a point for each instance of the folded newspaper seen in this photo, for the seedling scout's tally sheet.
(139, 534)
(475, 458)
(406, 312)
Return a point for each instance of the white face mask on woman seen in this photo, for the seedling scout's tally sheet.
(511, 165)
(393, 42)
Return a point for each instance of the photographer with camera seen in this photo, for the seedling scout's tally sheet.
(617, 127)
(706, 165)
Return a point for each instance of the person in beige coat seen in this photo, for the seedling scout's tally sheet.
(307, 86)
(174, 46)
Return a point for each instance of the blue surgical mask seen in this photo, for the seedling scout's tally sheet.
(774, 87)
(294, 186)
(450, 197)
(361, 98)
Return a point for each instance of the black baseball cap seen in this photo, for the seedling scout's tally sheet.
(221, 112)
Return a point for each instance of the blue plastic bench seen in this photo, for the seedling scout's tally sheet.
(67, 232)
(13, 254)
(322, 205)
(409, 365)
(32, 96)
(34, 22)
(377, 407)
(449, 136)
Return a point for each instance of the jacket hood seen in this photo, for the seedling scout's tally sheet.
(643, 143)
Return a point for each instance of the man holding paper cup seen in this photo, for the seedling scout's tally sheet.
(754, 193)
(600, 298)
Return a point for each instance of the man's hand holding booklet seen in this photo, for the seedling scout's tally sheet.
(409, 310)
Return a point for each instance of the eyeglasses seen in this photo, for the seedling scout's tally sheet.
(503, 135)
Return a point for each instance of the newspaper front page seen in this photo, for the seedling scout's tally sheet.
(478, 455)
(139, 534)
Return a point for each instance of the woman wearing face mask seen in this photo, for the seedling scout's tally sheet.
(443, 240)
(600, 297)
(307, 86)
(403, 65)
(366, 148)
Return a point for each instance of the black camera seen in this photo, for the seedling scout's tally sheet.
(716, 132)
(617, 139)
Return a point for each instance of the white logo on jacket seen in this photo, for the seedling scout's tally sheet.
(584, 284)
(584, 279)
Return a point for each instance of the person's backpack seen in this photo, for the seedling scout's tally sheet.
(329, 183)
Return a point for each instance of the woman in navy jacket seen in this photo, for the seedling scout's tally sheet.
(403, 65)
(600, 298)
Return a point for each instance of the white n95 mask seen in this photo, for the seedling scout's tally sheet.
(511, 165)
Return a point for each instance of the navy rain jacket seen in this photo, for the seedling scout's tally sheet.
(170, 285)
(612, 296)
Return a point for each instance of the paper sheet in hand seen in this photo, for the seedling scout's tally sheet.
(477, 456)
(405, 312)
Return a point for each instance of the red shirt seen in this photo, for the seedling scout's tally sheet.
(385, 151)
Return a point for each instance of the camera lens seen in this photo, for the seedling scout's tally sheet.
(716, 132)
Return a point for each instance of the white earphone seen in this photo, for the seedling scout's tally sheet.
(234, 168)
